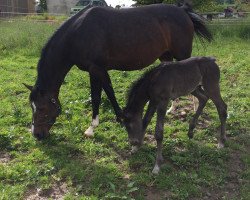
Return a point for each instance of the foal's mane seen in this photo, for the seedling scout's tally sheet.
(143, 81)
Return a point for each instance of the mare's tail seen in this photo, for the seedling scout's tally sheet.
(199, 24)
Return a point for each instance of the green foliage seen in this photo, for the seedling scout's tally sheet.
(101, 167)
(200, 5)
(43, 4)
(242, 30)
(147, 2)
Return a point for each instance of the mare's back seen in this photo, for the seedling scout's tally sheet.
(132, 18)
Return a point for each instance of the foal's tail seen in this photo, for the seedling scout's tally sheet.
(199, 24)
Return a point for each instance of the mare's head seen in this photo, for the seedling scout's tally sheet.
(45, 109)
(134, 126)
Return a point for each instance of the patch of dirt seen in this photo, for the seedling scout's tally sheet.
(231, 189)
(182, 107)
(56, 192)
(153, 194)
(150, 139)
(190, 105)
(4, 157)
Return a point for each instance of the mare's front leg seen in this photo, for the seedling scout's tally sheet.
(102, 75)
(96, 91)
(161, 112)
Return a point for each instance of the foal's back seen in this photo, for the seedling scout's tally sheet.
(172, 80)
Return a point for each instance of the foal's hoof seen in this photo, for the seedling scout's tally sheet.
(190, 135)
(156, 170)
(220, 145)
(134, 149)
(89, 132)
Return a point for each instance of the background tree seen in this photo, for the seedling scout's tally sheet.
(200, 5)
(43, 5)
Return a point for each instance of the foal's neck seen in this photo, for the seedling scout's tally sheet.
(137, 102)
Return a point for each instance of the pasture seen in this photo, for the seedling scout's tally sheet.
(68, 165)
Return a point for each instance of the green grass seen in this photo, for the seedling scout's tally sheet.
(102, 168)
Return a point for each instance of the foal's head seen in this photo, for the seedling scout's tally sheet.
(134, 127)
(45, 109)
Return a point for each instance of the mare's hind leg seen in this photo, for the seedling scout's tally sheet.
(161, 112)
(214, 94)
(202, 98)
(96, 91)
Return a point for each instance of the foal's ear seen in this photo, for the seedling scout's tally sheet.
(29, 87)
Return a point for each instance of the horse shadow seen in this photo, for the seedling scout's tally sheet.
(88, 172)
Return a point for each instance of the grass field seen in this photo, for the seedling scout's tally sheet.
(69, 166)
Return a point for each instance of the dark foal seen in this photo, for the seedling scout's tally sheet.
(199, 76)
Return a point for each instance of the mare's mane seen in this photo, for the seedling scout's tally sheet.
(52, 40)
(61, 29)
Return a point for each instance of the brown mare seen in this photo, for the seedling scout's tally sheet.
(199, 76)
(99, 39)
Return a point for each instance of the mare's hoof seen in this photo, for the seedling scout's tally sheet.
(89, 132)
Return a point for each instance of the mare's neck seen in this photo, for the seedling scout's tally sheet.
(52, 69)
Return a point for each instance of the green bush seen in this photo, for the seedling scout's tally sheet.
(239, 30)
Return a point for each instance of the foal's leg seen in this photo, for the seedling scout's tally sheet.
(161, 112)
(214, 94)
(96, 90)
(148, 115)
(168, 57)
(202, 98)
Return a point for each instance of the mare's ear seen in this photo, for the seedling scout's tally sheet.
(29, 87)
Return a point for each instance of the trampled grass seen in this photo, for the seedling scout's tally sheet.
(71, 166)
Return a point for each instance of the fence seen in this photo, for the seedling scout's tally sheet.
(36, 17)
(50, 17)
(17, 6)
